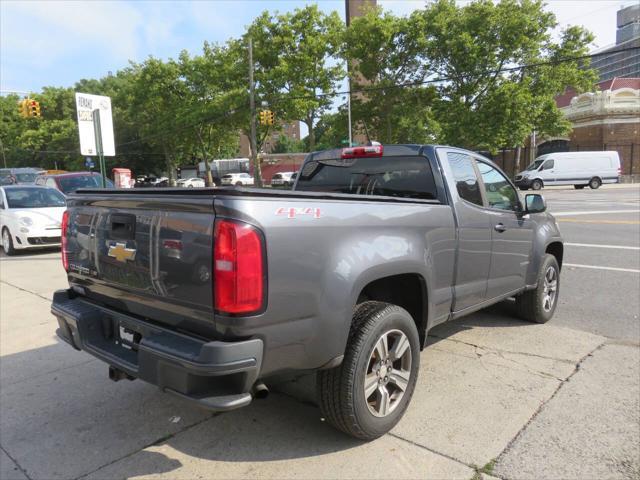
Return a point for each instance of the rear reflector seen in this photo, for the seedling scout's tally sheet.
(64, 227)
(238, 266)
(360, 152)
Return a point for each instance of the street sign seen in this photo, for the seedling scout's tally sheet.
(85, 105)
(88, 162)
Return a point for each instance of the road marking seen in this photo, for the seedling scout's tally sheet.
(615, 222)
(592, 212)
(597, 267)
(595, 245)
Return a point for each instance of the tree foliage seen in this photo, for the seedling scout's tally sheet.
(446, 73)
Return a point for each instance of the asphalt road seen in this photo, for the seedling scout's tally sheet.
(600, 290)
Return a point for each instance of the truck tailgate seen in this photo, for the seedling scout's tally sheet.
(149, 255)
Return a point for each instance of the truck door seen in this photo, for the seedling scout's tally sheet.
(474, 229)
(512, 232)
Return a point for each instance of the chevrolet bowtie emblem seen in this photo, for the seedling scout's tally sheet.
(121, 253)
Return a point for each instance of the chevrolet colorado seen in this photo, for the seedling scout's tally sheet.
(208, 293)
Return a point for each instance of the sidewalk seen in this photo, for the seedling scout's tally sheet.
(495, 395)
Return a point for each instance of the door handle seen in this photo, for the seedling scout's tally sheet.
(500, 228)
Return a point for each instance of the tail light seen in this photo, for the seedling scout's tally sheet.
(238, 266)
(619, 171)
(360, 152)
(63, 239)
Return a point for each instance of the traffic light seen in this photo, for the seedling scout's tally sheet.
(266, 117)
(23, 108)
(34, 108)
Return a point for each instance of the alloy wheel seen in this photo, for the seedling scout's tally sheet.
(550, 289)
(388, 373)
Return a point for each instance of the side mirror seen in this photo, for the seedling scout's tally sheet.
(534, 203)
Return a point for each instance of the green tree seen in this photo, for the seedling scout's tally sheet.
(296, 65)
(482, 104)
(385, 54)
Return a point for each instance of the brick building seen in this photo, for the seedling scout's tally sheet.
(290, 130)
(606, 119)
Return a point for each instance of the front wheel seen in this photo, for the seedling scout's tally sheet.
(536, 185)
(538, 305)
(369, 392)
(7, 242)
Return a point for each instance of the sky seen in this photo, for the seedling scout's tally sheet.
(56, 43)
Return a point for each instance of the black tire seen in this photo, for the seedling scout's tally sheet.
(341, 392)
(8, 248)
(595, 183)
(531, 304)
(238, 184)
(536, 184)
(579, 187)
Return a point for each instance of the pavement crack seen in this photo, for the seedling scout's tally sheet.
(543, 404)
(492, 349)
(435, 452)
(24, 472)
(25, 290)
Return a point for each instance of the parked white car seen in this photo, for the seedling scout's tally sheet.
(191, 182)
(30, 217)
(282, 179)
(571, 168)
(237, 179)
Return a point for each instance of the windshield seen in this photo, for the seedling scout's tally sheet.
(535, 165)
(26, 177)
(71, 184)
(34, 198)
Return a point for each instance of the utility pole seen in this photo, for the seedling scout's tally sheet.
(4, 159)
(349, 114)
(252, 106)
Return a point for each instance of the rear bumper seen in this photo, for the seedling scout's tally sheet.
(217, 376)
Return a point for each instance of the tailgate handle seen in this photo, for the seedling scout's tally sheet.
(123, 227)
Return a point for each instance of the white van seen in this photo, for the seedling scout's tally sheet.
(571, 168)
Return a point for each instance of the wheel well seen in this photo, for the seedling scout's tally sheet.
(557, 250)
(408, 291)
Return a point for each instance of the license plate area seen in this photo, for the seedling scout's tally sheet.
(126, 336)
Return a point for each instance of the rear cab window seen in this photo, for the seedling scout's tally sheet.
(397, 176)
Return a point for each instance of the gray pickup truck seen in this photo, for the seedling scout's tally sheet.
(211, 293)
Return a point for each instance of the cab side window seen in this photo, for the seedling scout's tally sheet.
(500, 194)
(548, 165)
(51, 183)
(464, 174)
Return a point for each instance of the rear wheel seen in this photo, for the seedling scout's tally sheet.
(369, 392)
(7, 242)
(595, 183)
(536, 184)
(578, 187)
(238, 184)
(539, 305)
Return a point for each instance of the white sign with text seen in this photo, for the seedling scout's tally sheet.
(85, 105)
